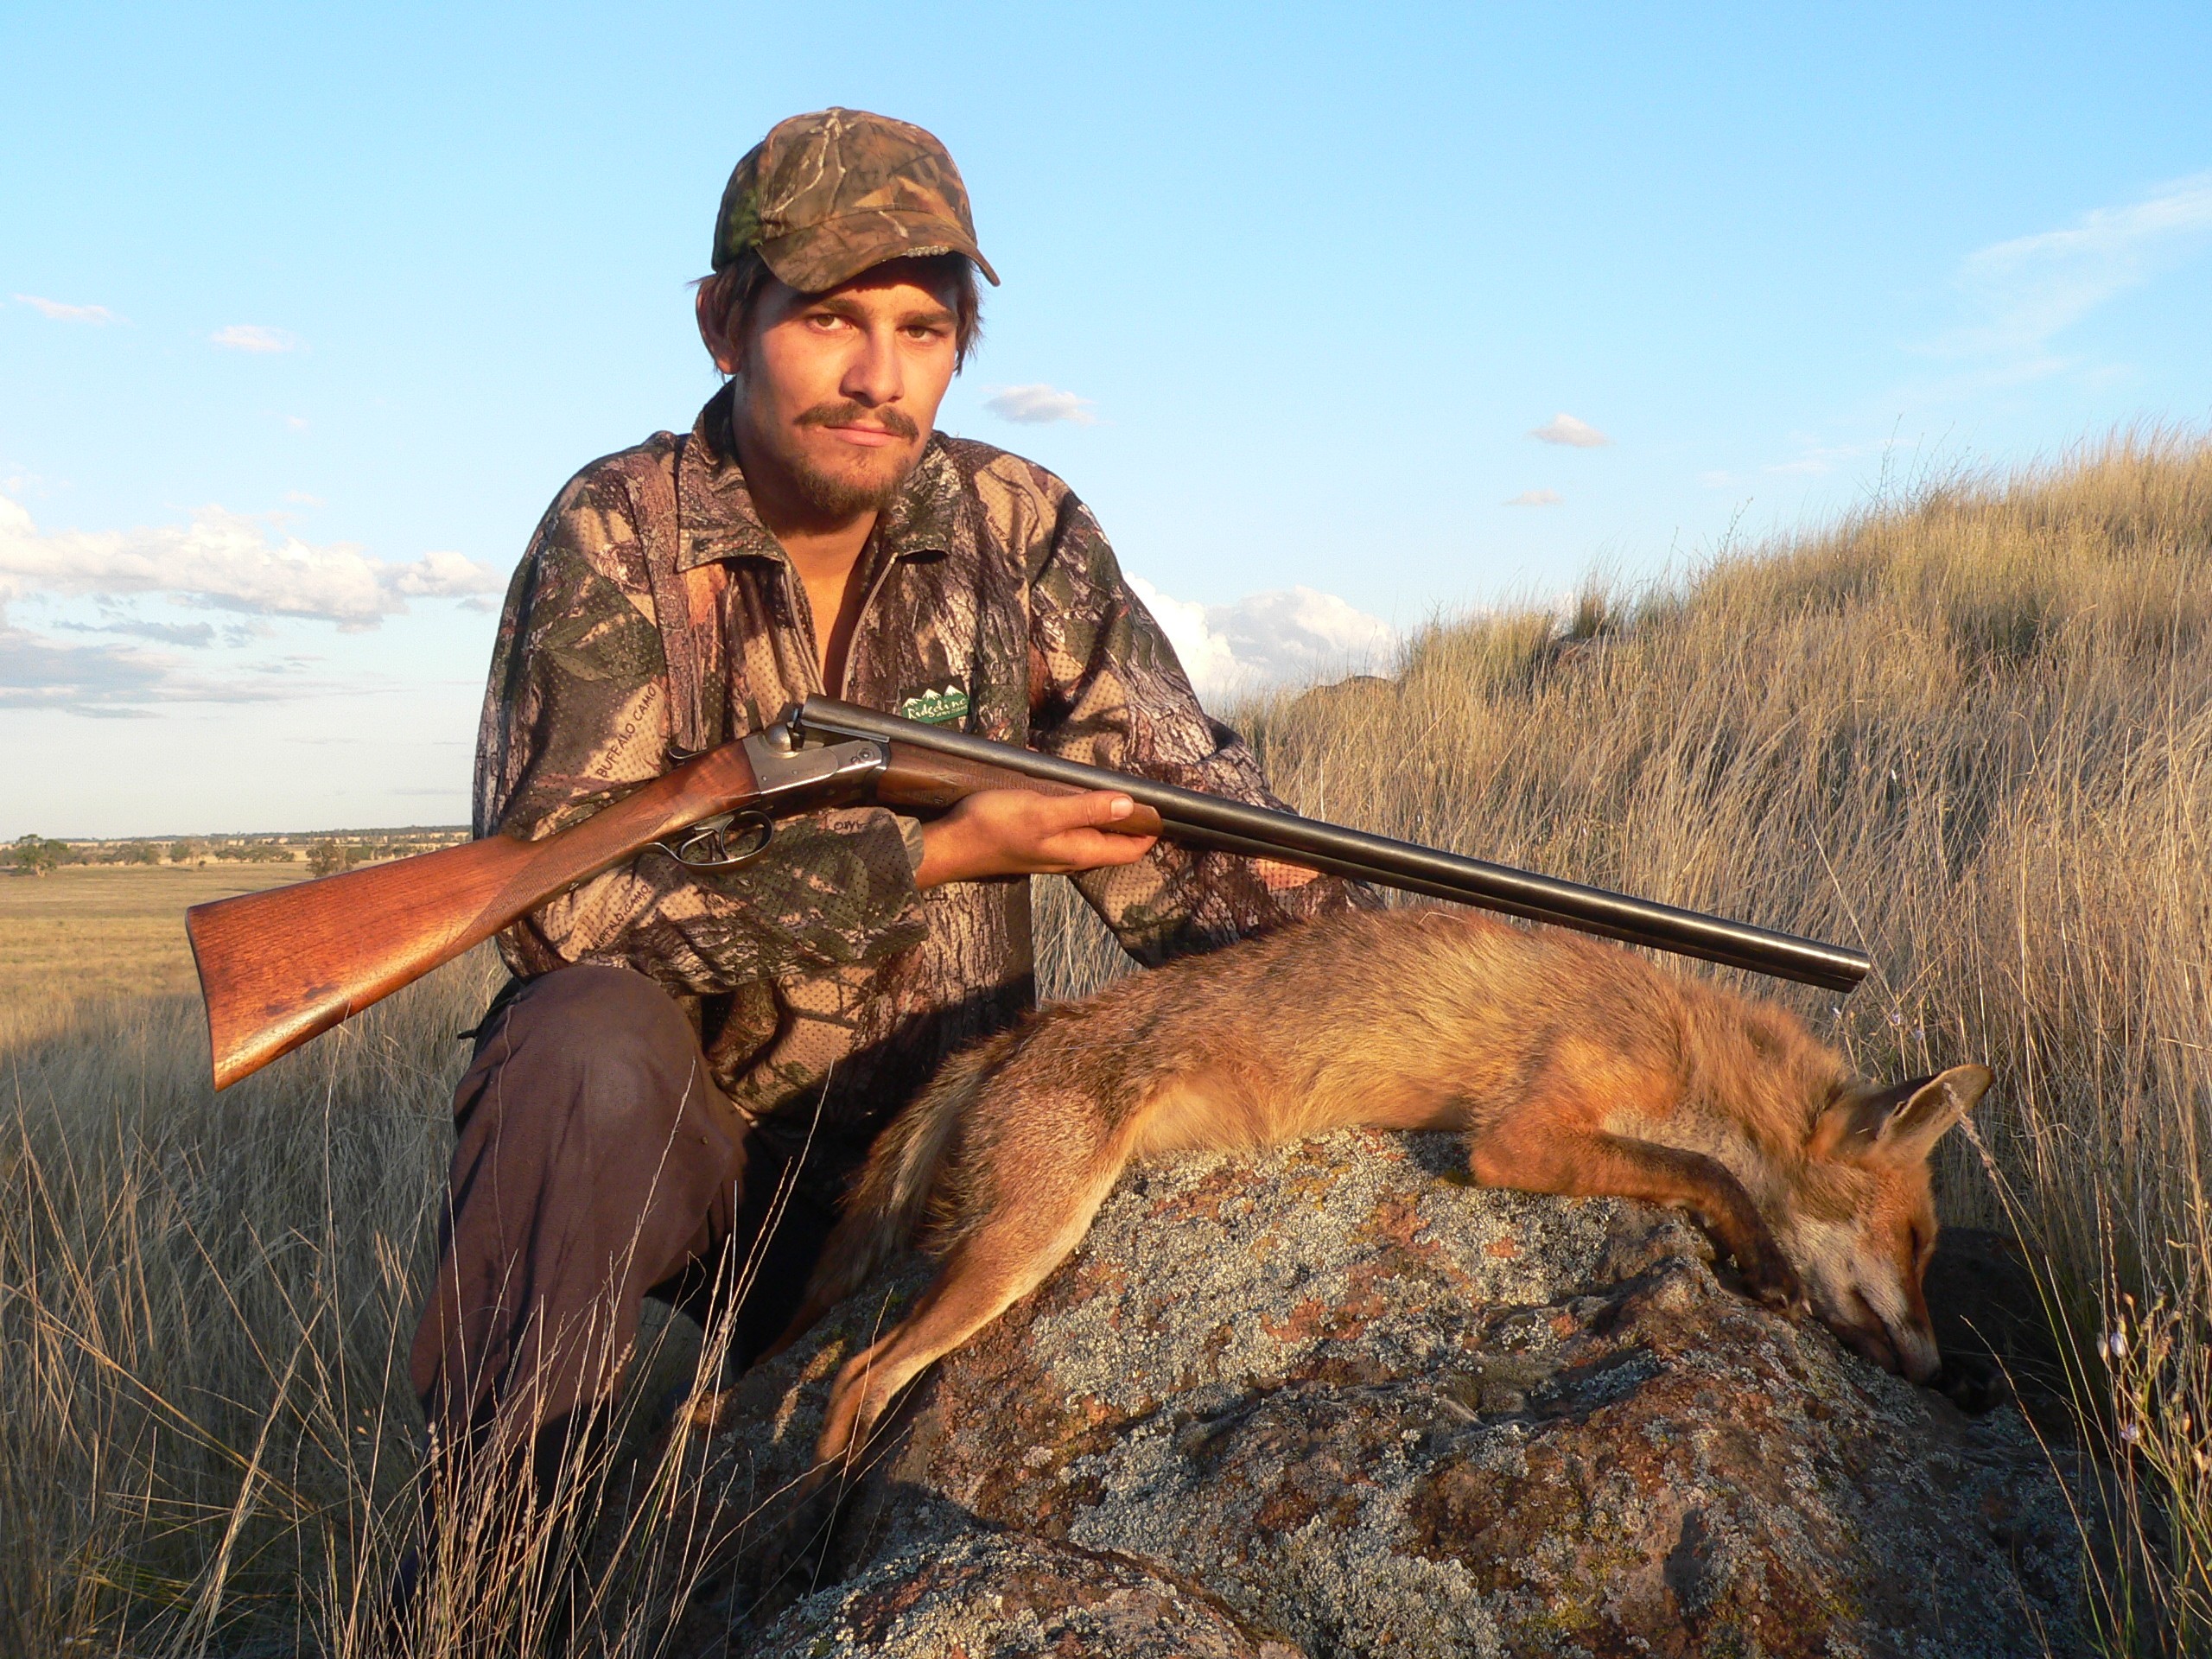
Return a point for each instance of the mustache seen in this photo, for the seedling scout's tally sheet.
(896, 421)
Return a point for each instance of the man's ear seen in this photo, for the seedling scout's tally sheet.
(727, 357)
(1903, 1122)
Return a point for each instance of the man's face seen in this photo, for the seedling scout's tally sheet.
(838, 392)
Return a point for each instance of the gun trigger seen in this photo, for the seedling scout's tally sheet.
(786, 778)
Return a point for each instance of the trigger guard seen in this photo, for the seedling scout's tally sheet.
(705, 845)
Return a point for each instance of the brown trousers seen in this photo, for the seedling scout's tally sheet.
(596, 1165)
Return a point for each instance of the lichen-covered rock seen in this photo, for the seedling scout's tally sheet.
(1009, 1596)
(1381, 1411)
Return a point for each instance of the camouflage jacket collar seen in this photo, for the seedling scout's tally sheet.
(716, 519)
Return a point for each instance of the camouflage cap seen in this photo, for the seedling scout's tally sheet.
(825, 196)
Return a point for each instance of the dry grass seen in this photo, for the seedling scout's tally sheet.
(1971, 730)
(207, 1440)
(205, 1303)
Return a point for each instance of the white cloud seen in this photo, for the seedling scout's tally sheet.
(253, 337)
(123, 681)
(1039, 405)
(60, 312)
(1535, 498)
(1290, 636)
(440, 575)
(2031, 288)
(229, 562)
(199, 636)
(36, 672)
(1208, 660)
(1565, 429)
(1814, 460)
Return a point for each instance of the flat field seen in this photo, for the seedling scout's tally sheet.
(99, 931)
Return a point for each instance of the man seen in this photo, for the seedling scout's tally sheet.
(667, 1098)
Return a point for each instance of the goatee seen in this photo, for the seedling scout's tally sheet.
(833, 496)
(842, 495)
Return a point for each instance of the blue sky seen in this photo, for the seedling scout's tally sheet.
(305, 314)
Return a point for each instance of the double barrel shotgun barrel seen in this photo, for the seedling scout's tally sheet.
(280, 966)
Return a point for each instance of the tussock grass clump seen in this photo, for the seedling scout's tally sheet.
(1970, 729)
(205, 1304)
(208, 1443)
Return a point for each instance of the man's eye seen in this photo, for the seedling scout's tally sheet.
(825, 320)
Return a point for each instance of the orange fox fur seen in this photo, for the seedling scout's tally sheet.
(1571, 1066)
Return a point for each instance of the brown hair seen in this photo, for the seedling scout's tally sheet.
(728, 298)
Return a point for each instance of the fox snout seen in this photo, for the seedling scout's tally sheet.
(1863, 1279)
(1905, 1347)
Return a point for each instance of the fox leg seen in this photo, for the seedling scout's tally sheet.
(1005, 1258)
(1574, 1162)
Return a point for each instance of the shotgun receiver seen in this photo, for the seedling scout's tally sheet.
(279, 967)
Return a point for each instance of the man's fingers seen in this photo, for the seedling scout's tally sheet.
(1129, 849)
(1018, 832)
(1088, 810)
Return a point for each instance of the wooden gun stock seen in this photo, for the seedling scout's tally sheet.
(279, 967)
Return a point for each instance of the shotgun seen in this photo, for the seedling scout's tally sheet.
(280, 966)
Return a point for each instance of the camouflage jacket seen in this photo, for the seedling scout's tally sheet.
(653, 609)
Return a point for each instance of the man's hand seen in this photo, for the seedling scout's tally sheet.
(1015, 832)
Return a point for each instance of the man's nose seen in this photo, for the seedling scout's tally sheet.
(874, 375)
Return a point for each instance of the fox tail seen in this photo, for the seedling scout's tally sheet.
(888, 1203)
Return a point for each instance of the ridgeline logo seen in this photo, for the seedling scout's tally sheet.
(945, 708)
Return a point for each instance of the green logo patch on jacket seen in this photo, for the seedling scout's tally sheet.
(945, 708)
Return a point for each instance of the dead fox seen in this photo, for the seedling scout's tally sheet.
(1572, 1067)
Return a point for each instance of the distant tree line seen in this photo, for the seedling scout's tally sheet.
(36, 855)
(328, 857)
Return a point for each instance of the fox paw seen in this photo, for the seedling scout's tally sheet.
(1975, 1382)
(705, 1411)
(1772, 1283)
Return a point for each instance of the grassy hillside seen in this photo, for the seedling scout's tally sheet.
(1971, 731)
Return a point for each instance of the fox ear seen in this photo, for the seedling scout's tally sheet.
(1933, 1109)
(1904, 1121)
